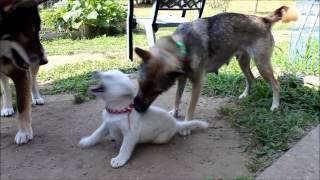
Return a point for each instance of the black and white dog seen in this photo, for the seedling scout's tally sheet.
(21, 54)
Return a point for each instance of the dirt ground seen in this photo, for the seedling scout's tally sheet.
(59, 125)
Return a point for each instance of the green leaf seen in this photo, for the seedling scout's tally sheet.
(77, 25)
(92, 15)
(67, 16)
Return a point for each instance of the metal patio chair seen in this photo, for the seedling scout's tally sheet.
(155, 21)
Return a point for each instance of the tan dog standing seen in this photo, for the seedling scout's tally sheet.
(203, 46)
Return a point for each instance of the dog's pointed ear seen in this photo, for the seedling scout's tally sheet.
(145, 55)
(10, 5)
(6, 5)
(41, 1)
(26, 3)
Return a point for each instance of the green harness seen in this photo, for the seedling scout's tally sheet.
(182, 48)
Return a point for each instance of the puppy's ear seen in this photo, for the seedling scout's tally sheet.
(145, 55)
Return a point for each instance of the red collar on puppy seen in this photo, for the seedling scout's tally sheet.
(120, 111)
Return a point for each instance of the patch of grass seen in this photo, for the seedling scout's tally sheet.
(96, 45)
(269, 133)
(76, 78)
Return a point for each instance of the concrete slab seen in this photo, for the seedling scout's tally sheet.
(300, 162)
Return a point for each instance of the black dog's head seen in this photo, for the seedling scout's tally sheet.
(19, 28)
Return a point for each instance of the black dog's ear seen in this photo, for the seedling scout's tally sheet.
(145, 55)
(176, 73)
(10, 5)
(41, 1)
(26, 3)
(6, 5)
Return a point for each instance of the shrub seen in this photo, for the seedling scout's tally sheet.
(90, 17)
(52, 19)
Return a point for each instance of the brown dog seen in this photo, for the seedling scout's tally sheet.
(20, 48)
(204, 45)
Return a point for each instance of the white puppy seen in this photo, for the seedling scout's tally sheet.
(123, 123)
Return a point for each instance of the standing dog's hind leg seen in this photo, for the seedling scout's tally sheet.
(265, 69)
(181, 85)
(244, 63)
(36, 97)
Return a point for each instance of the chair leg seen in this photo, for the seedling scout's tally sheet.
(129, 41)
(150, 34)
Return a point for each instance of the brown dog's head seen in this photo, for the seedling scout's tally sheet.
(157, 73)
(20, 26)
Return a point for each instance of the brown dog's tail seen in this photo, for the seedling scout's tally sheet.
(283, 13)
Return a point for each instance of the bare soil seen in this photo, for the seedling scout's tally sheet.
(59, 125)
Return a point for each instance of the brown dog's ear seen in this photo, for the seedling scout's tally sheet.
(145, 55)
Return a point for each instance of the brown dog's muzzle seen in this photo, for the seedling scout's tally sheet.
(140, 105)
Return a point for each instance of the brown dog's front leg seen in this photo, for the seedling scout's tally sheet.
(196, 89)
(21, 80)
(181, 85)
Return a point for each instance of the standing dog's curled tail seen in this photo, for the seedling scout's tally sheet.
(283, 13)
(192, 124)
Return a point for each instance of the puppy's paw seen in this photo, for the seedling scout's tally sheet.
(174, 112)
(6, 112)
(86, 142)
(23, 137)
(117, 162)
(185, 132)
(37, 101)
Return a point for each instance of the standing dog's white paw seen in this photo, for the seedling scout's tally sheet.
(6, 112)
(243, 95)
(117, 162)
(174, 112)
(86, 142)
(274, 107)
(37, 101)
(185, 132)
(23, 137)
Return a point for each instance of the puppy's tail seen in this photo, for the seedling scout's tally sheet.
(193, 124)
(283, 13)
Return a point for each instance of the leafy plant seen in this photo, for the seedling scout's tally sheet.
(52, 19)
(90, 17)
(94, 13)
